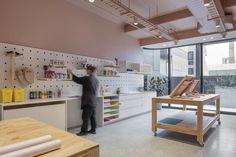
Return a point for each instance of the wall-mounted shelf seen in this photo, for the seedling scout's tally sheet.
(57, 66)
(47, 79)
(111, 66)
(107, 76)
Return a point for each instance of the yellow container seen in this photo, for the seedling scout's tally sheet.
(18, 95)
(6, 95)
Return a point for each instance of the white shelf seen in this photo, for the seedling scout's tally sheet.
(111, 106)
(108, 111)
(111, 115)
(47, 79)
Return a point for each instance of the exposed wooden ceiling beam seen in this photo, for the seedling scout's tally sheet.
(228, 3)
(181, 14)
(179, 35)
(191, 33)
(163, 19)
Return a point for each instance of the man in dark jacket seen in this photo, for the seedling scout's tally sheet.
(89, 99)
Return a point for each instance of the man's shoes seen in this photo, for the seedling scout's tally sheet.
(82, 133)
(92, 131)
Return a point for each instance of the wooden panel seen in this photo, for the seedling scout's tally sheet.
(163, 19)
(228, 3)
(17, 130)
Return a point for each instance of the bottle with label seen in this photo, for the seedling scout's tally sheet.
(31, 95)
(59, 92)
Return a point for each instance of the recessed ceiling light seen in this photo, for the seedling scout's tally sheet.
(91, 1)
(212, 38)
(160, 36)
(204, 39)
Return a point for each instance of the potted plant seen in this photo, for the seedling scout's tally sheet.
(159, 84)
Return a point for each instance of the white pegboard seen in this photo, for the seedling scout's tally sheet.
(35, 59)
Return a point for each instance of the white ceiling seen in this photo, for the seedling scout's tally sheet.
(156, 7)
(140, 6)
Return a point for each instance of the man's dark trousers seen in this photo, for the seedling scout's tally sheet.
(88, 114)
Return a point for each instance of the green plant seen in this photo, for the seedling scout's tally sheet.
(160, 85)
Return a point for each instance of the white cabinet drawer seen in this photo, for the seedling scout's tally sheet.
(74, 113)
(130, 112)
(53, 114)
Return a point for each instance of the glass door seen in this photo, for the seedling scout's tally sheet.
(219, 70)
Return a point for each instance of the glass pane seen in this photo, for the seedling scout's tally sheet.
(184, 61)
(158, 81)
(219, 69)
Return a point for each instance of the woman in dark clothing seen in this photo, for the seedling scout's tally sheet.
(89, 99)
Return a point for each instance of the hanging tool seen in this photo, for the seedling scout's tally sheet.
(13, 55)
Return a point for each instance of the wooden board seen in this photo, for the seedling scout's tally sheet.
(182, 86)
(17, 130)
(204, 99)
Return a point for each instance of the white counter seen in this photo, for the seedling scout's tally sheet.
(38, 101)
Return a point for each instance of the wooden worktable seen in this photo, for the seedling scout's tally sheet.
(199, 126)
(17, 130)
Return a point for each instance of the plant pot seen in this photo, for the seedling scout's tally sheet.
(159, 106)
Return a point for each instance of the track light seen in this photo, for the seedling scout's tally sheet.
(135, 21)
(91, 1)
(207, 3)
(160, 36)
(217, 24)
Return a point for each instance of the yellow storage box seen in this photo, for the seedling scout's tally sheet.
(6, 95)
(18, 95)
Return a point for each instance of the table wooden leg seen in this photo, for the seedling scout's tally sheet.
(154, 117)
(218, 109)
(200, 124)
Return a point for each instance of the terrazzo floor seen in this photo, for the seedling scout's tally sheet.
(133, 138)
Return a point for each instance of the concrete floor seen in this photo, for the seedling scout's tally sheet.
(133, 138)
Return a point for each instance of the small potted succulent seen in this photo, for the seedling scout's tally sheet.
(160, 85)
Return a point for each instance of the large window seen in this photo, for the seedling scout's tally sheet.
(214, 64)
(159, 61)
(184, 61)
(219, 70)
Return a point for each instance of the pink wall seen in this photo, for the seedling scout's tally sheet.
(60, 26)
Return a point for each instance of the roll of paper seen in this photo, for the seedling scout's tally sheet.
(35, 150)
(24, 144)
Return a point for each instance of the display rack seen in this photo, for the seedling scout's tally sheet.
(111, 107)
